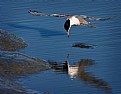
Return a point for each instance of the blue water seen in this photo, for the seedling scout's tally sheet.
(48, 40)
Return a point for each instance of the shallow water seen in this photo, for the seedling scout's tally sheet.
(48, 40)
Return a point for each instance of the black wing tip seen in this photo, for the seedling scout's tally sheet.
(103, 19)
(110, 18)
(33, 11)
(30, 11)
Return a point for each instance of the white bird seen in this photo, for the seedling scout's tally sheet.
(72, 20)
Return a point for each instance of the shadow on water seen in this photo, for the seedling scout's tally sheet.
(78, 71)
(83, 45)
(43, 32)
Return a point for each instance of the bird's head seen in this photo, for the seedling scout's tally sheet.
(67, 26)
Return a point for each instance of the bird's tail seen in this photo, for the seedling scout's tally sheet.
(88, 25)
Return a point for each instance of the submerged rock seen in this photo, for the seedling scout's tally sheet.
(9, 91)
(82, 45)
(14, 65)
(10, 42)
(20, 64)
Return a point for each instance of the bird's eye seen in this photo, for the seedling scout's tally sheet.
(67, 25)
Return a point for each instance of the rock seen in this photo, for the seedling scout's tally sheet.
(14, 65)
(82, 45)
(20, 64)
(10, 42)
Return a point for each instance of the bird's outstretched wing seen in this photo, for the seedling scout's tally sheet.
(37, 13)
(93, 18)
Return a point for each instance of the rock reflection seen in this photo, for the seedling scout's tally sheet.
(78, 71)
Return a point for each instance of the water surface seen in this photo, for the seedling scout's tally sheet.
(48, 40)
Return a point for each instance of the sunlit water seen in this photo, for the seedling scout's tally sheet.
(48, 40)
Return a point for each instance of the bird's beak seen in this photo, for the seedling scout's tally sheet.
(68, 32)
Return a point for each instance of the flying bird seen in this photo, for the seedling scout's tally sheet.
(72, 20)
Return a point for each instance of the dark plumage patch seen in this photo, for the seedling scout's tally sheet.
(67, 25)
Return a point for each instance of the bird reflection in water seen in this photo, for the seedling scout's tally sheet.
(78, 71)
